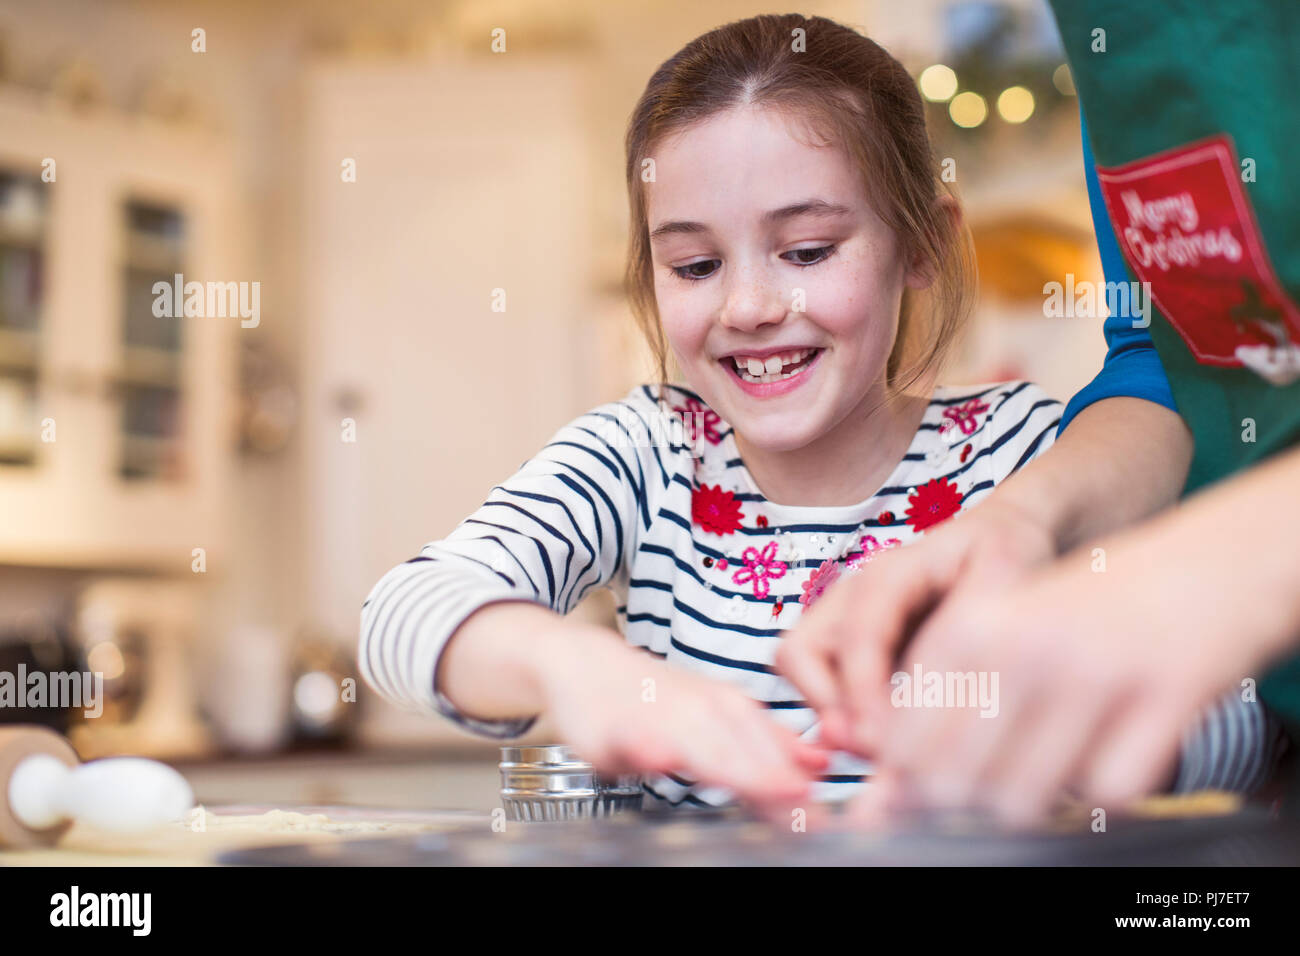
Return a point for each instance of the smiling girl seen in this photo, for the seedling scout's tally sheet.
(794, 248)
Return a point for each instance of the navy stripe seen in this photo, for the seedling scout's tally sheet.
(1033, 448)
(638, 618)
(1008, 396)
(638, 487)
(504, 547)
(689, 798)
(718, 659)
(600, 525)
(613, 469)
(541, 550)
(582, 538)
(596, 518)
(725, 625)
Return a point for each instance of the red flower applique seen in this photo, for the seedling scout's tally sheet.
(759, 566)
(698, 418)
(963, 416)
(817, 583)
(715, 510)
(933, 502)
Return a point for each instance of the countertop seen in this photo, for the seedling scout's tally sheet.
(414, 808)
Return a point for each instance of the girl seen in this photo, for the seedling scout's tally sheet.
(793, 246)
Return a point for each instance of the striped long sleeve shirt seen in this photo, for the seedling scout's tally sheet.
(649, 497)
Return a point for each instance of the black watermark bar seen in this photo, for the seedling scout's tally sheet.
(331, 904)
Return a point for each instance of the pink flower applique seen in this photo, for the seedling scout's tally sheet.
(964, 416)
(698, 418)
(871, 548)
(759, 566)
(817, 583)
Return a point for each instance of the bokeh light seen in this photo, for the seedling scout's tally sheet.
(938, 83)
(968, 109)
(1016, 104)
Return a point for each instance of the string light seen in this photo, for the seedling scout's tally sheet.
(1016, 104)
(968, 109)
(938, 83)
(1063, 79)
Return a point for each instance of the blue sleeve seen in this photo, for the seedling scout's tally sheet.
(1132, 367)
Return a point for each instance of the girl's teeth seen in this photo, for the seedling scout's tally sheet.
(755, 370)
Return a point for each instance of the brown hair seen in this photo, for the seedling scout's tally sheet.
(868, 103)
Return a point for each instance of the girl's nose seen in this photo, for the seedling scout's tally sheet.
(752, 300)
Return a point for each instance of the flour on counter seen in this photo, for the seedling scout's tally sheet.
(289, 821)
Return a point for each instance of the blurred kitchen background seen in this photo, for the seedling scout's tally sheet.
(181, 507)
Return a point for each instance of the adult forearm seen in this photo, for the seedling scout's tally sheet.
(1232, 552)
(1121, 460)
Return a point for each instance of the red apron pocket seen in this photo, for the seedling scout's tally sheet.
(1186, 227)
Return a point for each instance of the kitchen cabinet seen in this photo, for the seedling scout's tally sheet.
(119, 450)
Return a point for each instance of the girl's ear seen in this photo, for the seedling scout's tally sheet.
(921, 273)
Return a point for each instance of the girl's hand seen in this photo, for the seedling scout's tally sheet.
(626, 712)
(842, 653)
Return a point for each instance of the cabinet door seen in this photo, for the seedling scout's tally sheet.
(81, 503)
(469, 178)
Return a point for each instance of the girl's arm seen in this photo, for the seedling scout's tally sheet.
(473, 628)
(561, 526)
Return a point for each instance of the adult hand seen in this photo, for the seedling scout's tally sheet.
(841, 654)
(1102, 661)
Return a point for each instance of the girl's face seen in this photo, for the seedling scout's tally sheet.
(778, 286)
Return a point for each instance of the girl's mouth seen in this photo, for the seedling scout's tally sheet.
(759, 375)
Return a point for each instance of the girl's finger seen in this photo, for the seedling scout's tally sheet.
(833, 730)
(650, 752)
(713, 750)
(772, 763)
(809, 755)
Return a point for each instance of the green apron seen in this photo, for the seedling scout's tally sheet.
(1187, 100)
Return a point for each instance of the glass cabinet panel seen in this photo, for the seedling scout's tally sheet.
(22, 274)
(152, 346)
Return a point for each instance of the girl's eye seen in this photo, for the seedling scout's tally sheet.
(685, 272)
(814, 256)
(818, 254)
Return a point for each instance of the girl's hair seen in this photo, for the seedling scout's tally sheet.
(855, 95)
